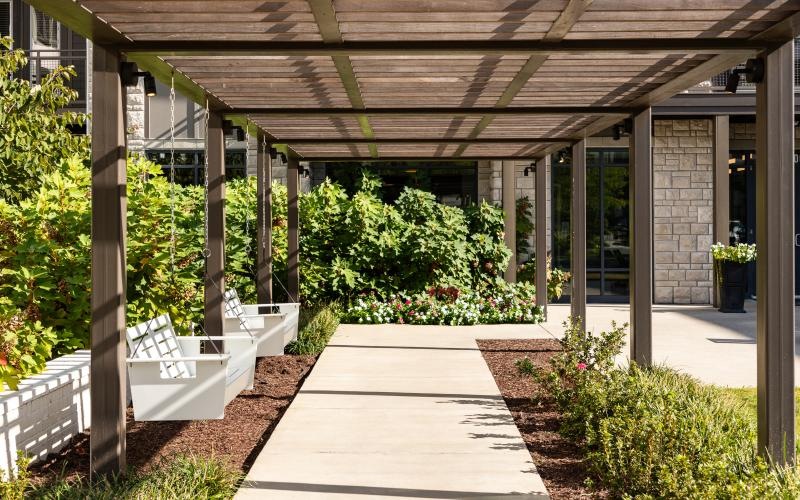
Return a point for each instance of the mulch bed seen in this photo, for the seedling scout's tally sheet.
(238, 438)
(559, 461)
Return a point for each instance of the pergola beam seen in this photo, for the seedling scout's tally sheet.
(421, 140)
(232, 48)
(215, 260)
(439, 111)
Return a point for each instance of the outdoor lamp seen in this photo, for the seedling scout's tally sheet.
(562, 157)
(617, 132)
(754, 68)
(306, 172)
(129, 75)
(227, 127)
(239, 133)
(529, 169)
(273, 153)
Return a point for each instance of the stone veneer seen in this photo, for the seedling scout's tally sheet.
(683, 211)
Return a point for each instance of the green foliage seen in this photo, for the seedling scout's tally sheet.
(13, 486)
(656, 433)
(34, 134)
(352, 245)
(741, 252)
(317, 324)
(525, 225)
(556, 278)
(180, 477)
(509, 303)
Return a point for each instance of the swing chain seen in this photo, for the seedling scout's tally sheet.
(248, 245)
(265, 194)
(172, 235)
(206, 248)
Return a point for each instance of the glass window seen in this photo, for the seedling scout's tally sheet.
(5, 18)
(44, 31)
(189, 164)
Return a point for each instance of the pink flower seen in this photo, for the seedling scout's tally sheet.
(399, 306)
(581, 366)
(400, 320)
(408, 302)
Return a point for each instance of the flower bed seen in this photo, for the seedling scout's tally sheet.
(449, 306)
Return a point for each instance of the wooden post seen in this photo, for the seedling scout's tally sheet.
(264, 218)
(542, 167)
(721, 187)
(578, 230)
(640, 191)
(510, 216)
(293, 258)
(109, 219)
(215, 271)
(775, 237)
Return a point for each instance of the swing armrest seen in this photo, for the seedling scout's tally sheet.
(201, 358)
(199, 338)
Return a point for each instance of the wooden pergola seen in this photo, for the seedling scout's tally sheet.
(447, 79)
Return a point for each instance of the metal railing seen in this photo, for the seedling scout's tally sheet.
(42, 62)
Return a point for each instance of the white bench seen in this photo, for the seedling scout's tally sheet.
(274, 329)
(171, 380)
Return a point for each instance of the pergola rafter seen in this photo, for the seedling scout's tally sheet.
(442, 80)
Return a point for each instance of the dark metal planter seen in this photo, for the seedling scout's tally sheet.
(733, 283)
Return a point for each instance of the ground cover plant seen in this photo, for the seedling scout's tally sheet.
(507, 303)
(654, 432)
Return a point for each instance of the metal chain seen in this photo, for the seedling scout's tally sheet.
(248, 245)
(206, 248)
(264, 194)
(172, 238)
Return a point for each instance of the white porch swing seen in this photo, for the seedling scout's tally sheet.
(169, 378)
(273, 329)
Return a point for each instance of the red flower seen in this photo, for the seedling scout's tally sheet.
(3, 359)
(581, 366)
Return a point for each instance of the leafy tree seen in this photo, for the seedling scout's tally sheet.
(34, 128)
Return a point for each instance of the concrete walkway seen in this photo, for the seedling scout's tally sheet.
(398, 412)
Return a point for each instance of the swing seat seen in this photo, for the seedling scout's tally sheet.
(263, 314)
(171, 380)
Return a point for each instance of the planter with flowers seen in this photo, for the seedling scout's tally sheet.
(730, 268)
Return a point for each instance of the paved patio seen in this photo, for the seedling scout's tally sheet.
(413, 412)
(397, 412)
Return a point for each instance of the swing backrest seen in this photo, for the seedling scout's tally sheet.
(156, 339)
(233, 306)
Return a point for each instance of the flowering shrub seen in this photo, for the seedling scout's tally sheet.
(741, 253)
(510, 303)
(556, 278)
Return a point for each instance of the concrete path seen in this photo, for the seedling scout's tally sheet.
(398, 412)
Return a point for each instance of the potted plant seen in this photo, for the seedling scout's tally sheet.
(730, 267)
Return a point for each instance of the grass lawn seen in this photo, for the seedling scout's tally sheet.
(747, 397)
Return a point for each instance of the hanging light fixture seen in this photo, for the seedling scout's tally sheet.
(617, 132)
(129, 75)
(529, 169)
(562, 156)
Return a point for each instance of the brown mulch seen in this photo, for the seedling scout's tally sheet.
(237, 439)
(559, 461)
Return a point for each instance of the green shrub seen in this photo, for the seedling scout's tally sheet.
(35, 136)
(317, 325)
(524, 224)
(556, 278)
(13, 486)
(179, 477)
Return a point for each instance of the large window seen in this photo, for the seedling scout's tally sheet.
(5, 18)
(44, 31)
(607, 223)
(190, 164)
(453, 183)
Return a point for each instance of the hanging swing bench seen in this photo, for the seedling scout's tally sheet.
(273, 325)
(169, 377)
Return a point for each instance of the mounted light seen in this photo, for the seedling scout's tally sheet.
(562, 157)
(306, 173)
(239, 133)
(617, 132)
(529, 169)
(227, 127)
(150, 85)
(273, 153)
(754, 68)
(129, 75)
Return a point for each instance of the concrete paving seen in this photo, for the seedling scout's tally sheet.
(398, 412)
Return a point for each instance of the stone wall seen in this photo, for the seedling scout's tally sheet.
(135, 115)
(683, 211)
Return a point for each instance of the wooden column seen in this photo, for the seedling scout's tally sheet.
(640, 191)
(215, 271)
(293, 258)
(109, 219)
(264, 220)
(578, 232)
(510, 216)
(776, 255)
(721, 186)
(540, 213)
